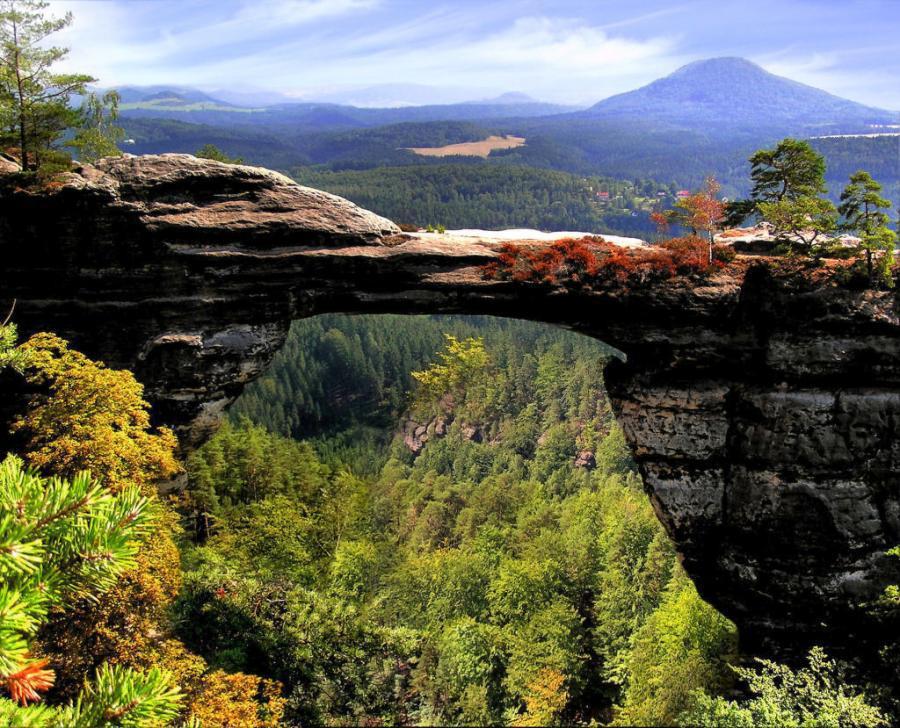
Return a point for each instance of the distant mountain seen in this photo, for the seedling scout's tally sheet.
(250, 97)
(138, 94)
(510, 97)
(705, 118)
(170, 98)
(302, 117)
(390, 96)
(734, 92)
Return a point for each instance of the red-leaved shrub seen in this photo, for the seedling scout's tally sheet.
(591, 261)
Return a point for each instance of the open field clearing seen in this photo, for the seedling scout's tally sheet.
(471, 149)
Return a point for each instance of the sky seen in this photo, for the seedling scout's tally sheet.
(567, 51)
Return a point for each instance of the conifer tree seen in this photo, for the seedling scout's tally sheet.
(61, 540)
(863, 209)
(791, 170)
(34, 101)
(98, 133)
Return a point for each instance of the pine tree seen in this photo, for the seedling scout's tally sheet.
(34, 101)
(862, 207)
(98, 133)
(63, 540)
(793, 169)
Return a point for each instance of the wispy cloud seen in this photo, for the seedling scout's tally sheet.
(572, 50)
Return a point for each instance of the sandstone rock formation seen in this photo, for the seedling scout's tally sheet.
(763, 410)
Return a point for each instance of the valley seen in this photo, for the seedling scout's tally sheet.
(411, 364)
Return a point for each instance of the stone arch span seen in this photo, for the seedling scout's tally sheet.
(762, 410)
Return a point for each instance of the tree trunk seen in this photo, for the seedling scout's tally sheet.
(20, 88)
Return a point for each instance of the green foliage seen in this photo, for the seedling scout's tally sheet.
(461, 363)
(486, 581)
(800, 221)
(816, 696)
(97, 135)
(790, 171)
(496, 196)
(678, 650)
(211, 151)
(11, 355)
(119, 697)
(863, 209)
(787, 182)
(244, 464)
(60, 541)
(89, 417)
(34, 101)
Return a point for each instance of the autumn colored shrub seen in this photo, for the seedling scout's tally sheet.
(565, 262)
(90, 417)
(237, 700)
(592, 261)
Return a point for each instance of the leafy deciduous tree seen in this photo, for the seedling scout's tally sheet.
(816, 696)
(701, 212)
(91, 418)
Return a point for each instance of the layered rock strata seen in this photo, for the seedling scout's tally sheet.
(763, 410)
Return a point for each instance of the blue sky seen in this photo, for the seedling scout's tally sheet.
(577, 51)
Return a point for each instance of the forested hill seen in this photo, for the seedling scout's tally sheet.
(734, 92)
(338, 373)
(497, 197)
(496, 578)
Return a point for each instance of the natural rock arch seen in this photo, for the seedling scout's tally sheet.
(763, 411)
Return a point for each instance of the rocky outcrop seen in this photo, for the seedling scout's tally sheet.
(585, 459)
(763, 410)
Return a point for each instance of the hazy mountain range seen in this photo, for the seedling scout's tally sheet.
(705, 118)
(730, 91)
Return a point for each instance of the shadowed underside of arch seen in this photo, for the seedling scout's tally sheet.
(763, 410)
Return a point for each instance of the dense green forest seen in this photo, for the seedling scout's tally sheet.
(496, 197)
(578, 146)
(465, 542)
(492, 578)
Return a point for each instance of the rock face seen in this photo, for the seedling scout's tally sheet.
(763, 410)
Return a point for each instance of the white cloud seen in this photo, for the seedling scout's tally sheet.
(296, 45)
(558, 59)
(141, 41)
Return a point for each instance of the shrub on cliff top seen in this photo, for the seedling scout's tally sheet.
(591, 261)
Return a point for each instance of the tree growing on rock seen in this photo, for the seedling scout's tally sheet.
(788, 184)
(461, 364)
(211, 151)
(801, 222)
(791, 172)
(701, 213)
(863, 209)
(34, 101)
